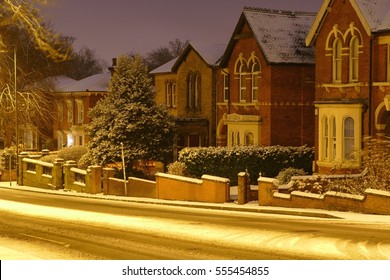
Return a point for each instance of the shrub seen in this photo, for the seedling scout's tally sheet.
(72, 153)
(5, 157)
(286, 174)
(176, 168)
(229, 161)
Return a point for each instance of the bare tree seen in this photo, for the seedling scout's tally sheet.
(37, 52)
(162, 55)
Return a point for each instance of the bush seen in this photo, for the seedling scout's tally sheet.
(229, 161)
(285, 175)
(5, 157)
(72, 153)
(176, 168)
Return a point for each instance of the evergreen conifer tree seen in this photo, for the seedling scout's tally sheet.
(129, 115)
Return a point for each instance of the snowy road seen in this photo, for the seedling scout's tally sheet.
(56, 227)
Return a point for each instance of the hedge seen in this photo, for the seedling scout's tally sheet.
(229, 161)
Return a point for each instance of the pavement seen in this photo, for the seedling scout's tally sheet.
(251, 207)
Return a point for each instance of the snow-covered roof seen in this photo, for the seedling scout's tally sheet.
(374, 15)
(97, 82)
(62, 81)
(165, 68)
(377, 13)
(281, 34)
(210, 53)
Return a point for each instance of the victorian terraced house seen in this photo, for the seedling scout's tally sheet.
(266, 91)
(352, 42)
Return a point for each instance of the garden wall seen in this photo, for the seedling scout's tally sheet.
(207, 189)
(372, 202)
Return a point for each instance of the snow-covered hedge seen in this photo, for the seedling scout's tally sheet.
(228, 162)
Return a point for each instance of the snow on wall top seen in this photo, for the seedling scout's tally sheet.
(376, 12)
(97, 82)
(281, 34)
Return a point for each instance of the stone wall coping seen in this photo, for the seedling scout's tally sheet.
(179, 178)
(215, 178)
(141, 180)
(39, 162)
(282, 195)
(273, 181)
(78, 170)
(377, 192)
(345, 195)
(116, 179)
(309, 195)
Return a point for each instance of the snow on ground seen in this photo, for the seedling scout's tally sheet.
(304, 244)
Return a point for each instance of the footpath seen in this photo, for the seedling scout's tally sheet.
(251, 207)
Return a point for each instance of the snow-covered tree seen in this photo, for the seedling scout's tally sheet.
(129, 115)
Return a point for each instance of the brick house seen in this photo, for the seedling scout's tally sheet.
(352, 39)
(266, 88)
(72, 102)
(187, 86)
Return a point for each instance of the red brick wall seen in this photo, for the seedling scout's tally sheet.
(286, 95)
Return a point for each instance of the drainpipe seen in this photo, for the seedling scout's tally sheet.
(370, 91)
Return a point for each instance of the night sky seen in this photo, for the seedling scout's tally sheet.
(114, 27)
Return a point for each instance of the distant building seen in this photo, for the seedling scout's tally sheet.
(72, 102)
(352, 102)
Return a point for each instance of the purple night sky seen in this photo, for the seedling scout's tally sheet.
(114, 27)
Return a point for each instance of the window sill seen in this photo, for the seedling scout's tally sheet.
(342, 87)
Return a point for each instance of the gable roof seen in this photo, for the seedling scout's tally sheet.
(211, 54)
(165, 68)
(279, 34)
(374, 15)
(96, 83)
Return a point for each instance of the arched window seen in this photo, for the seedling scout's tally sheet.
(193, 91)
(349, 139)
(354, 59)
(249, 139)
(337, 59)
(238, 139)
(197, 91)
(242, 78)
(173, 95)
(255, 82)
(168, 95)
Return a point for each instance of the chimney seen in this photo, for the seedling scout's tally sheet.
(112, 68)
